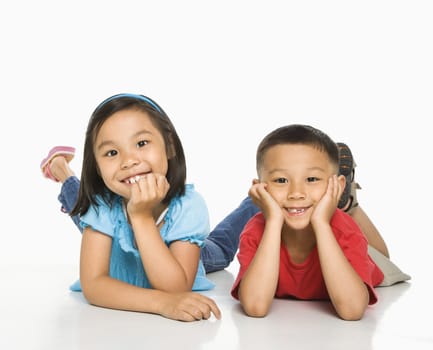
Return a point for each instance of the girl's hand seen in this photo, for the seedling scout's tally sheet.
(264, 200)
(325, 208)
(189, 306)
(147, 193)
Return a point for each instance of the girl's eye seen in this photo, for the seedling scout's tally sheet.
(281, 180)
(142, 143)
(312, 179)
(111, 153)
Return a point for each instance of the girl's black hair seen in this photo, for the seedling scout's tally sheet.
(92, 184)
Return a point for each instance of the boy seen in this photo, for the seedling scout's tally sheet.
(301, 245)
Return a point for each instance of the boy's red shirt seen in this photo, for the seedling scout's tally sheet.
(305, 280)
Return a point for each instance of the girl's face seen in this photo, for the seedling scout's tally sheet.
(129, 145)
(297, 178)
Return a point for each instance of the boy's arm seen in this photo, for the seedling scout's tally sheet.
(259, 282)
(258, 285)
(347, 291)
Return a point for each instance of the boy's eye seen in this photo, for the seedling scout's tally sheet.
(142, 143)
(111, 153)
(312, 179)
(281, 180)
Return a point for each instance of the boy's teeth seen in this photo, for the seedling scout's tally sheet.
(295, 210)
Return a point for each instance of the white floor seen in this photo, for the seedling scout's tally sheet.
(37, 311)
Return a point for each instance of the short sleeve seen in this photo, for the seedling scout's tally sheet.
(187, 219)
(99, 218)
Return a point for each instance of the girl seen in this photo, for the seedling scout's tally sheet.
(142, 225)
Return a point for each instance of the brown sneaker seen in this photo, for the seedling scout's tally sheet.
(347, 168)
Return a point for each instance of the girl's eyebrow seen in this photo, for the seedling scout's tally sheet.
(109, 142)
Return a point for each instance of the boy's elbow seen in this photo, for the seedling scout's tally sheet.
(255, 309)
(351, 312)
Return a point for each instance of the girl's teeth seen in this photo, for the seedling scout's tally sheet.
(134, 179)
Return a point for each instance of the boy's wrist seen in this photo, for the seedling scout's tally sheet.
(320, 225)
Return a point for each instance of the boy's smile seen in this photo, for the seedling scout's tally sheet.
(297, 177)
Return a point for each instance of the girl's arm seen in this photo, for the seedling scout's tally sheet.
(171, 269)
(347, 291)
(168, 269)
(102, 290)
(258, 285)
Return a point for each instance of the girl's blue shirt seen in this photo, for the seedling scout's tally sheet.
(187, 219)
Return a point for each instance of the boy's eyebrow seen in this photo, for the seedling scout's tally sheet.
(316, 168)
(284, 169)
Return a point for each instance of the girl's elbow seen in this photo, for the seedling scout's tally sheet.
(90, 288)
(88, 293)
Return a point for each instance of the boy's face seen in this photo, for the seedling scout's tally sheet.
(297, 178)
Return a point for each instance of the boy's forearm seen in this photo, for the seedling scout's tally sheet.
(258, 285)
(348, 293)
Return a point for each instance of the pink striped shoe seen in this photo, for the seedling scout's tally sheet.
(64, 151)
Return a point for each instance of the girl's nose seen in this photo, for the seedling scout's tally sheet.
(129, 162)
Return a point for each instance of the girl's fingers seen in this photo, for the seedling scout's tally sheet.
(204, 307)
(152, 185)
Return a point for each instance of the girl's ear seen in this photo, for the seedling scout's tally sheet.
(171, 150)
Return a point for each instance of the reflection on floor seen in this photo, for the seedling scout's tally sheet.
(38, 312)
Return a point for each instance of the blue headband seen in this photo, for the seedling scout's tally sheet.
(137, 97)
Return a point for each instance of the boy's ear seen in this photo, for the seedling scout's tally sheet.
(255, 181)
(341, 182)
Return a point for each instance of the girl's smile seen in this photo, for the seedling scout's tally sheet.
(128, 147)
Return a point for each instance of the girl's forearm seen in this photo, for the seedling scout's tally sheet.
(105, 291)
(111, 293)
(163, 269)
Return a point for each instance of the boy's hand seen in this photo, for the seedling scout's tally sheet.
(325, 208)
(147, 193)
(264, 200)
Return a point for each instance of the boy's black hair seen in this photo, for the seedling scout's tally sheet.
(298, 134)
(92, 185)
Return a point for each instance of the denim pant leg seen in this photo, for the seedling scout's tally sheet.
(68, 197)
(222, 243)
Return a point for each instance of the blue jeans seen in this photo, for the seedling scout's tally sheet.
(220, 246)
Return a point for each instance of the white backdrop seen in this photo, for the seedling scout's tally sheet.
(227, 73)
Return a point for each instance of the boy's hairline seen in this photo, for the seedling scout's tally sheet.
(259, 165)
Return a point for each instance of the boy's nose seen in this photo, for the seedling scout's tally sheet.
(296, 191)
